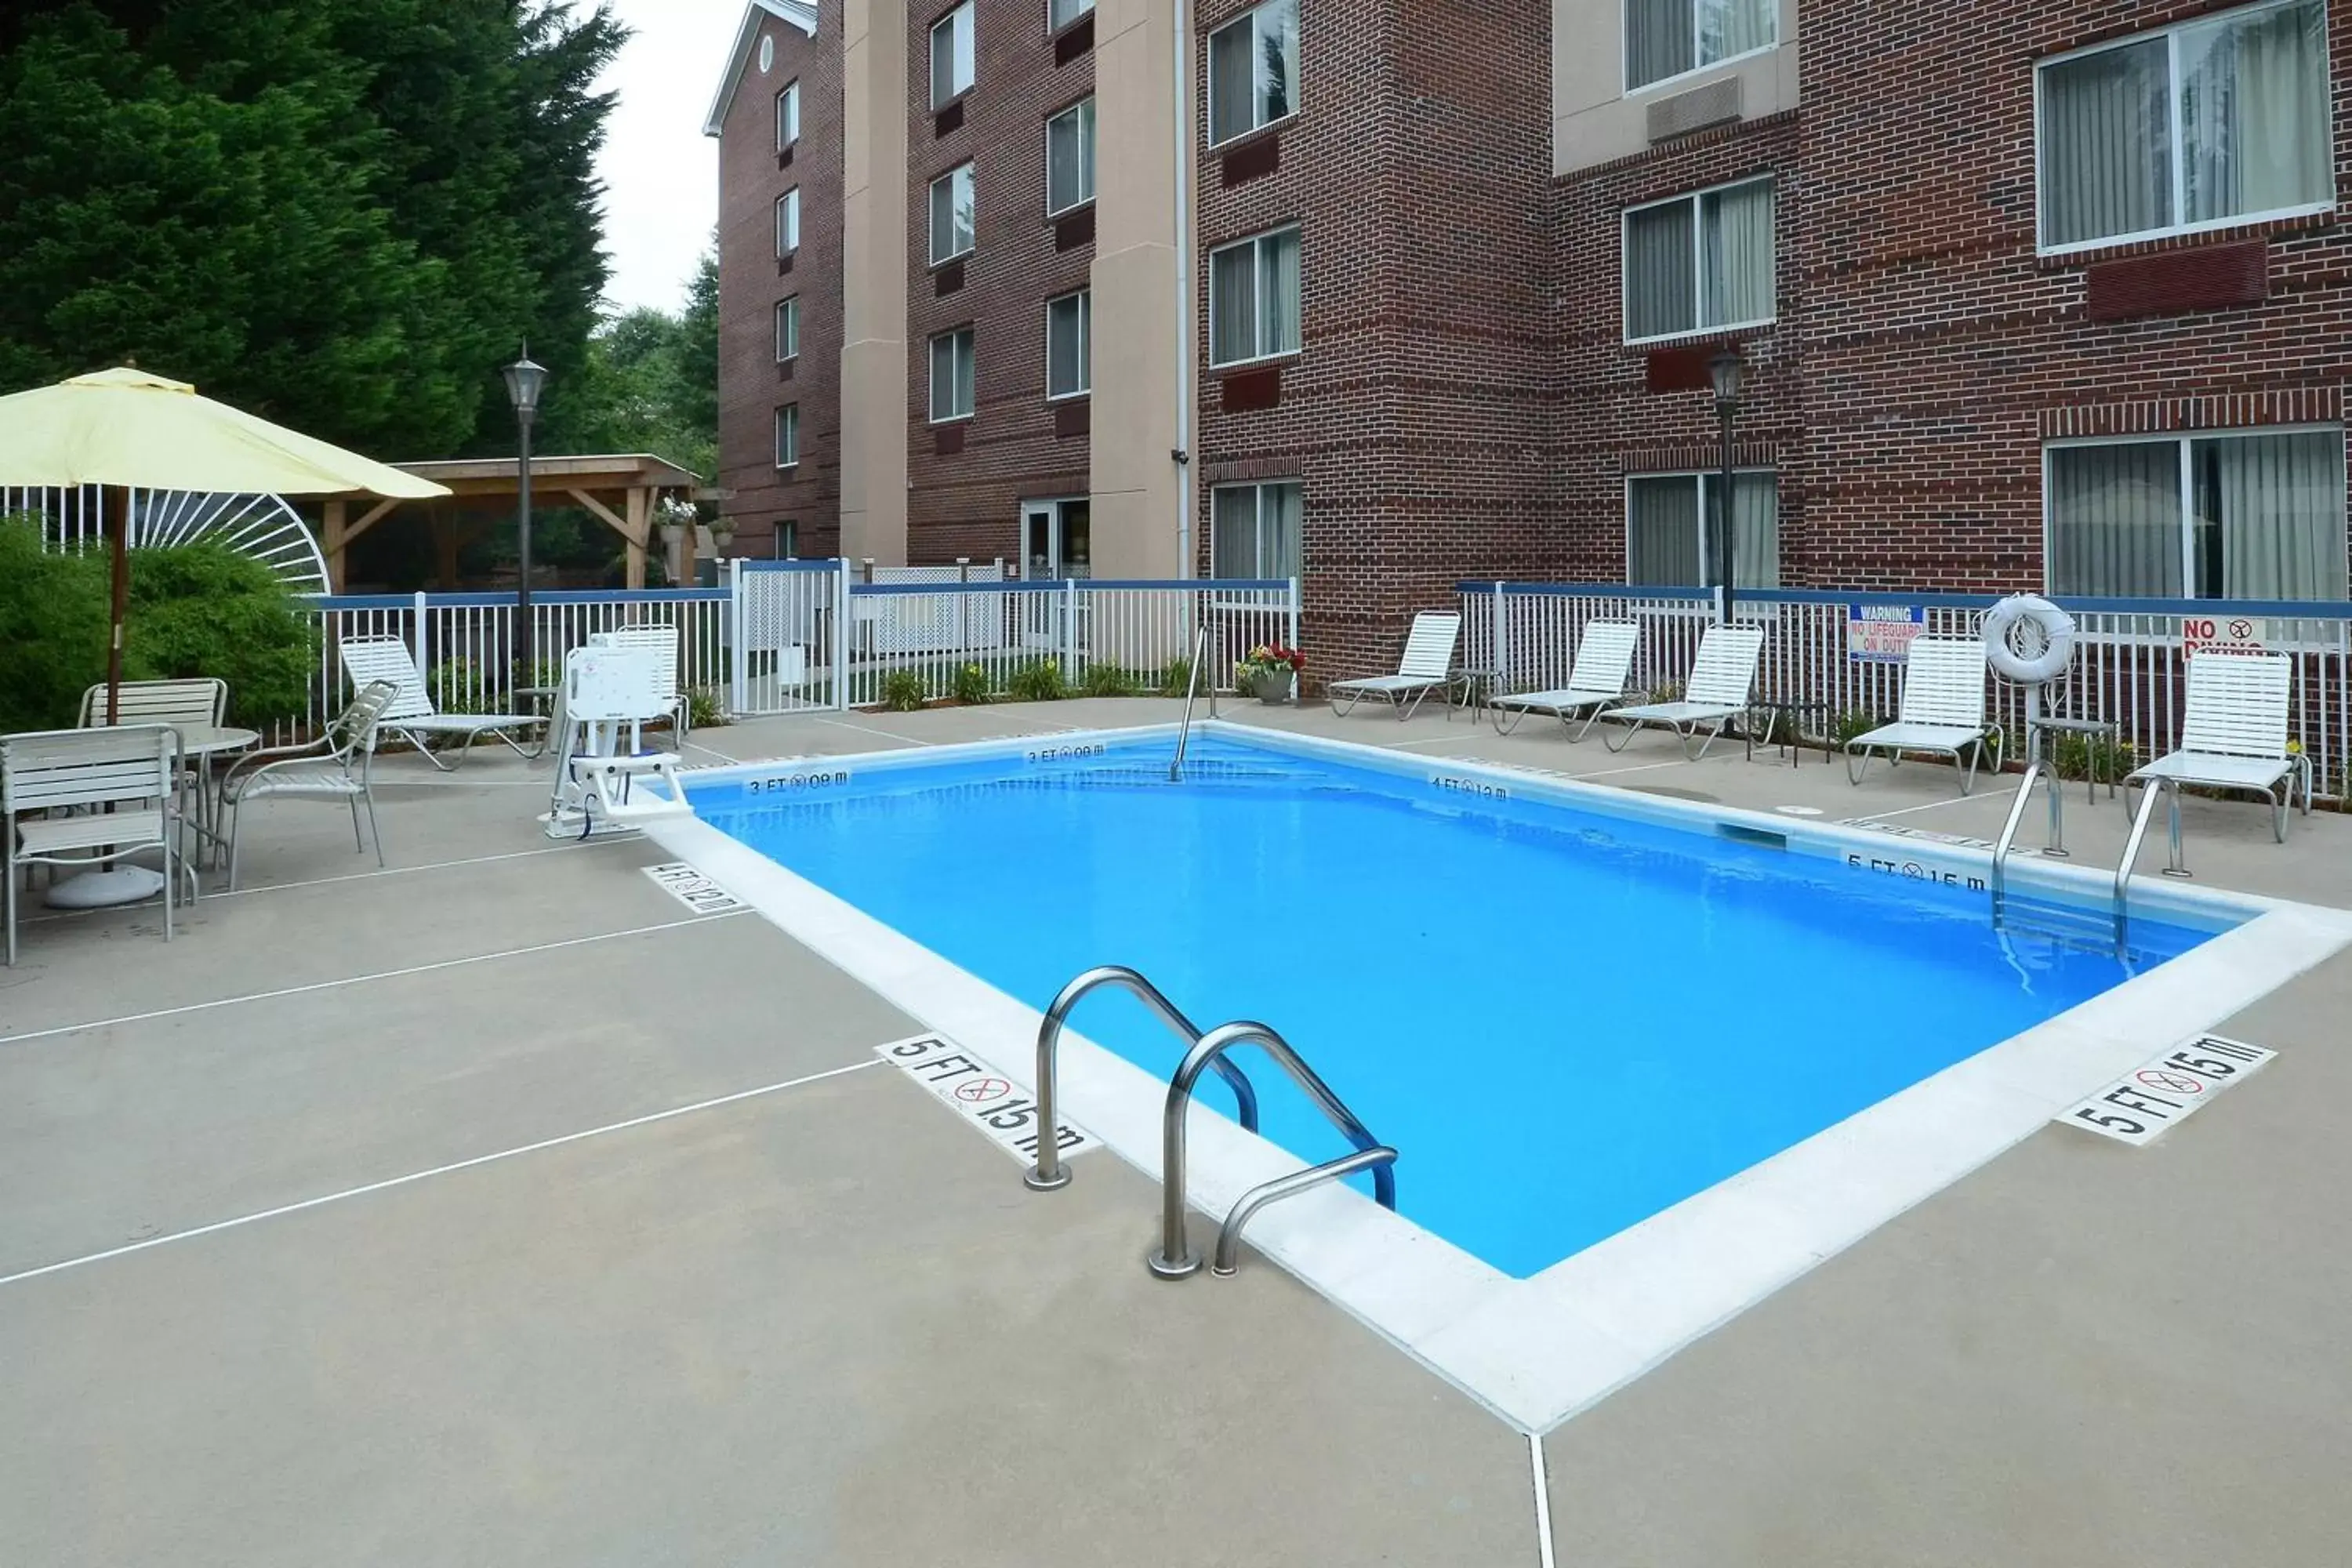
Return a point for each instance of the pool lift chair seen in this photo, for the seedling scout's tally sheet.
(598, 787)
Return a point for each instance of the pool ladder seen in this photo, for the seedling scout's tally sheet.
(1192, 682)
(2039, 771)
(1175, 1258)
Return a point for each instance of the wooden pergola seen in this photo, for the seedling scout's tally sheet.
(620, 489)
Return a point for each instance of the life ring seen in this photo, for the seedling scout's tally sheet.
(2029, 639)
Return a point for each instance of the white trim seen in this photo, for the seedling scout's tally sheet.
(1053, 28)
(970, 168)
(2170, 32)
(1086, 345)
(931, 374)
(1257, 489)
(801, 14)
(1257, 274)
(1083, 108)
(947, 18)
(1209, 70)
(1699, 262)
(792, 410)
(1626, 88)
(790, 89)
(790, 304)
(1703, 476)
(790, 201)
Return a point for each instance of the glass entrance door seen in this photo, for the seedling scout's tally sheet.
(1056, 543)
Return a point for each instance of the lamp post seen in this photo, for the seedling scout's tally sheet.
(1727, 370)
(523, 381)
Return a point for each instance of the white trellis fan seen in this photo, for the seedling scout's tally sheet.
(261, 526)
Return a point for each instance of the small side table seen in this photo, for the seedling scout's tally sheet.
(1471, 687)
(2108, 728)
(1780, 710)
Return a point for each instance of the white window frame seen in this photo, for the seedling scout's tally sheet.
(970, 172)
(1705, 544)
(960, 17)
(1084, 109)
(2171, 34)
(1249, 19)
(2184, 481)
(1085, 297)
(1625, 49)
(931, 375)
(1082, 8)
(1257, 488)
(788, 417)
(788, 216)
(785, 536)
(788, 107)
(1692, 199)
(788, 309)
(1210, 325)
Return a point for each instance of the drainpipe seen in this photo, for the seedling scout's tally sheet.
(1180, 57)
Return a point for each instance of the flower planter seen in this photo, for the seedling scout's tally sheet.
(1274, 687)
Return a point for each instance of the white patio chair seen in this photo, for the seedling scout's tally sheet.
(1604, 660)
(1722, 679)
(411, 715)
(662, 642)
(335, 766)
(56, 789)
(2234, 734)
(1942, 710)
(1427, 663)
(201, 701)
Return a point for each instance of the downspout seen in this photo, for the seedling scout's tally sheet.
(1180, 57)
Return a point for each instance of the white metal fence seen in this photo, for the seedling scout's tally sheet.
(261, 526)
(2129, 666)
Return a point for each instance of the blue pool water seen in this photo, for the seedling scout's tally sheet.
(1564, 1021)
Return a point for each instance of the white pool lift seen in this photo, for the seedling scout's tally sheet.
(609, 692)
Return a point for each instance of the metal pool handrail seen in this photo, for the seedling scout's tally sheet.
(2131, 855)
(1191, 681)
(1175, 1260)
(1049, 1172)
(1229, 1237)
(2009, 837)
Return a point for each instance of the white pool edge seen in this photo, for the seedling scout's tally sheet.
(1538, 1351)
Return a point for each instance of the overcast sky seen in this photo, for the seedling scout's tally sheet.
(661, 173)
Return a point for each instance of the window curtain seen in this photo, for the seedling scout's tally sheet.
(943, 377)
(1062, 13)
(1660, 293)
(1728, 28)
(1658, 41)
(1232, 304)
(1277, 60)
(1282, 515)
(1662, 531)
(2106, 143)
(1232, 536)
(967, 369)
(1064, 364)
(1278, 293)
(2115, 520)
(1069, 173)
(1737, 234)
(1233, 75)
(1756, 530)
(2281, 505)
(2253, 112)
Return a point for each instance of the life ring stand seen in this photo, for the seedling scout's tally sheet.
(2028, 640)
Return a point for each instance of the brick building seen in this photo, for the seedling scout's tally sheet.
(2049, 293)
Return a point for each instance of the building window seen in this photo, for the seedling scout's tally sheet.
(788, 116)
(1070, 158)
(1670, 527)
(951, 56)
(1069, 344)
(1254, 530)
(2219, 120)
(788, 435)
(1699, 263)
(788, 222)
(2251, 516)
(952, 214)
(1253, 299)
(1665, 39)
(788, 538)
(1254, 70)
(1060, 14)
(954, 376)
(788, 328)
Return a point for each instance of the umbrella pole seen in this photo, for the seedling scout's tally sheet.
(118, 535)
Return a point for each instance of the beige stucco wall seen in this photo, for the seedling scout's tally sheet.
(874, 282)
(1594, 119)
(1136, 486)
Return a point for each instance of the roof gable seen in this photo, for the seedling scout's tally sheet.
(801, 14)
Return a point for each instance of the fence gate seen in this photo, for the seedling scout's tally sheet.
(789, 633)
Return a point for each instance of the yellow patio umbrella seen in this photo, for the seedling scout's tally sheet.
(127, 429)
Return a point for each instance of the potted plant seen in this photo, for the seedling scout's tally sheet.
(1270, 671)
(674, 517)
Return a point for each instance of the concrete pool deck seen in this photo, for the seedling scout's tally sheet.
(821, 1322)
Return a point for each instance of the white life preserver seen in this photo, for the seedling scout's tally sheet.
(2028, 639)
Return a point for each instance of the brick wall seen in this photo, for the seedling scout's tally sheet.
(750, 382)
(967, 502)
(1417, 413)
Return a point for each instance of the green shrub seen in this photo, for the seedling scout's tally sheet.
(903, 692)
(1852, 722)
(972, 685)
(703, 706)
(1108, 681)
(1175, 677)
(2072, 755)
(1039, 682)
(52, 628)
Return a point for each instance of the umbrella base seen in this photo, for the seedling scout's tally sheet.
(103, 889)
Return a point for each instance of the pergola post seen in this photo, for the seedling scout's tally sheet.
(334, 541)
(640, 521)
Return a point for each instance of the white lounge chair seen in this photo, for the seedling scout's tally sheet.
(335, 766)
(1427, 664)
(661, 641)
(1722, 679)
(1943, 710)
(411, 715)
(201, 701)
(2234, 735)
(70, 797)
(1604, 660)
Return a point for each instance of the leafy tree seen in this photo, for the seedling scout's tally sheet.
(652, 382)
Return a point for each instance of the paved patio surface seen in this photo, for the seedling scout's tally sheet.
(377, 1245)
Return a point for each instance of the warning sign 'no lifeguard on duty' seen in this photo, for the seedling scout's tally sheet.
(2141, 1104)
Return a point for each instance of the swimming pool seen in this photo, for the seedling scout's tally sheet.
(1565, 1020)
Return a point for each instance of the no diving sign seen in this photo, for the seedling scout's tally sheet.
(989, 1102)
(2218, 634)
(2143, 1103)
